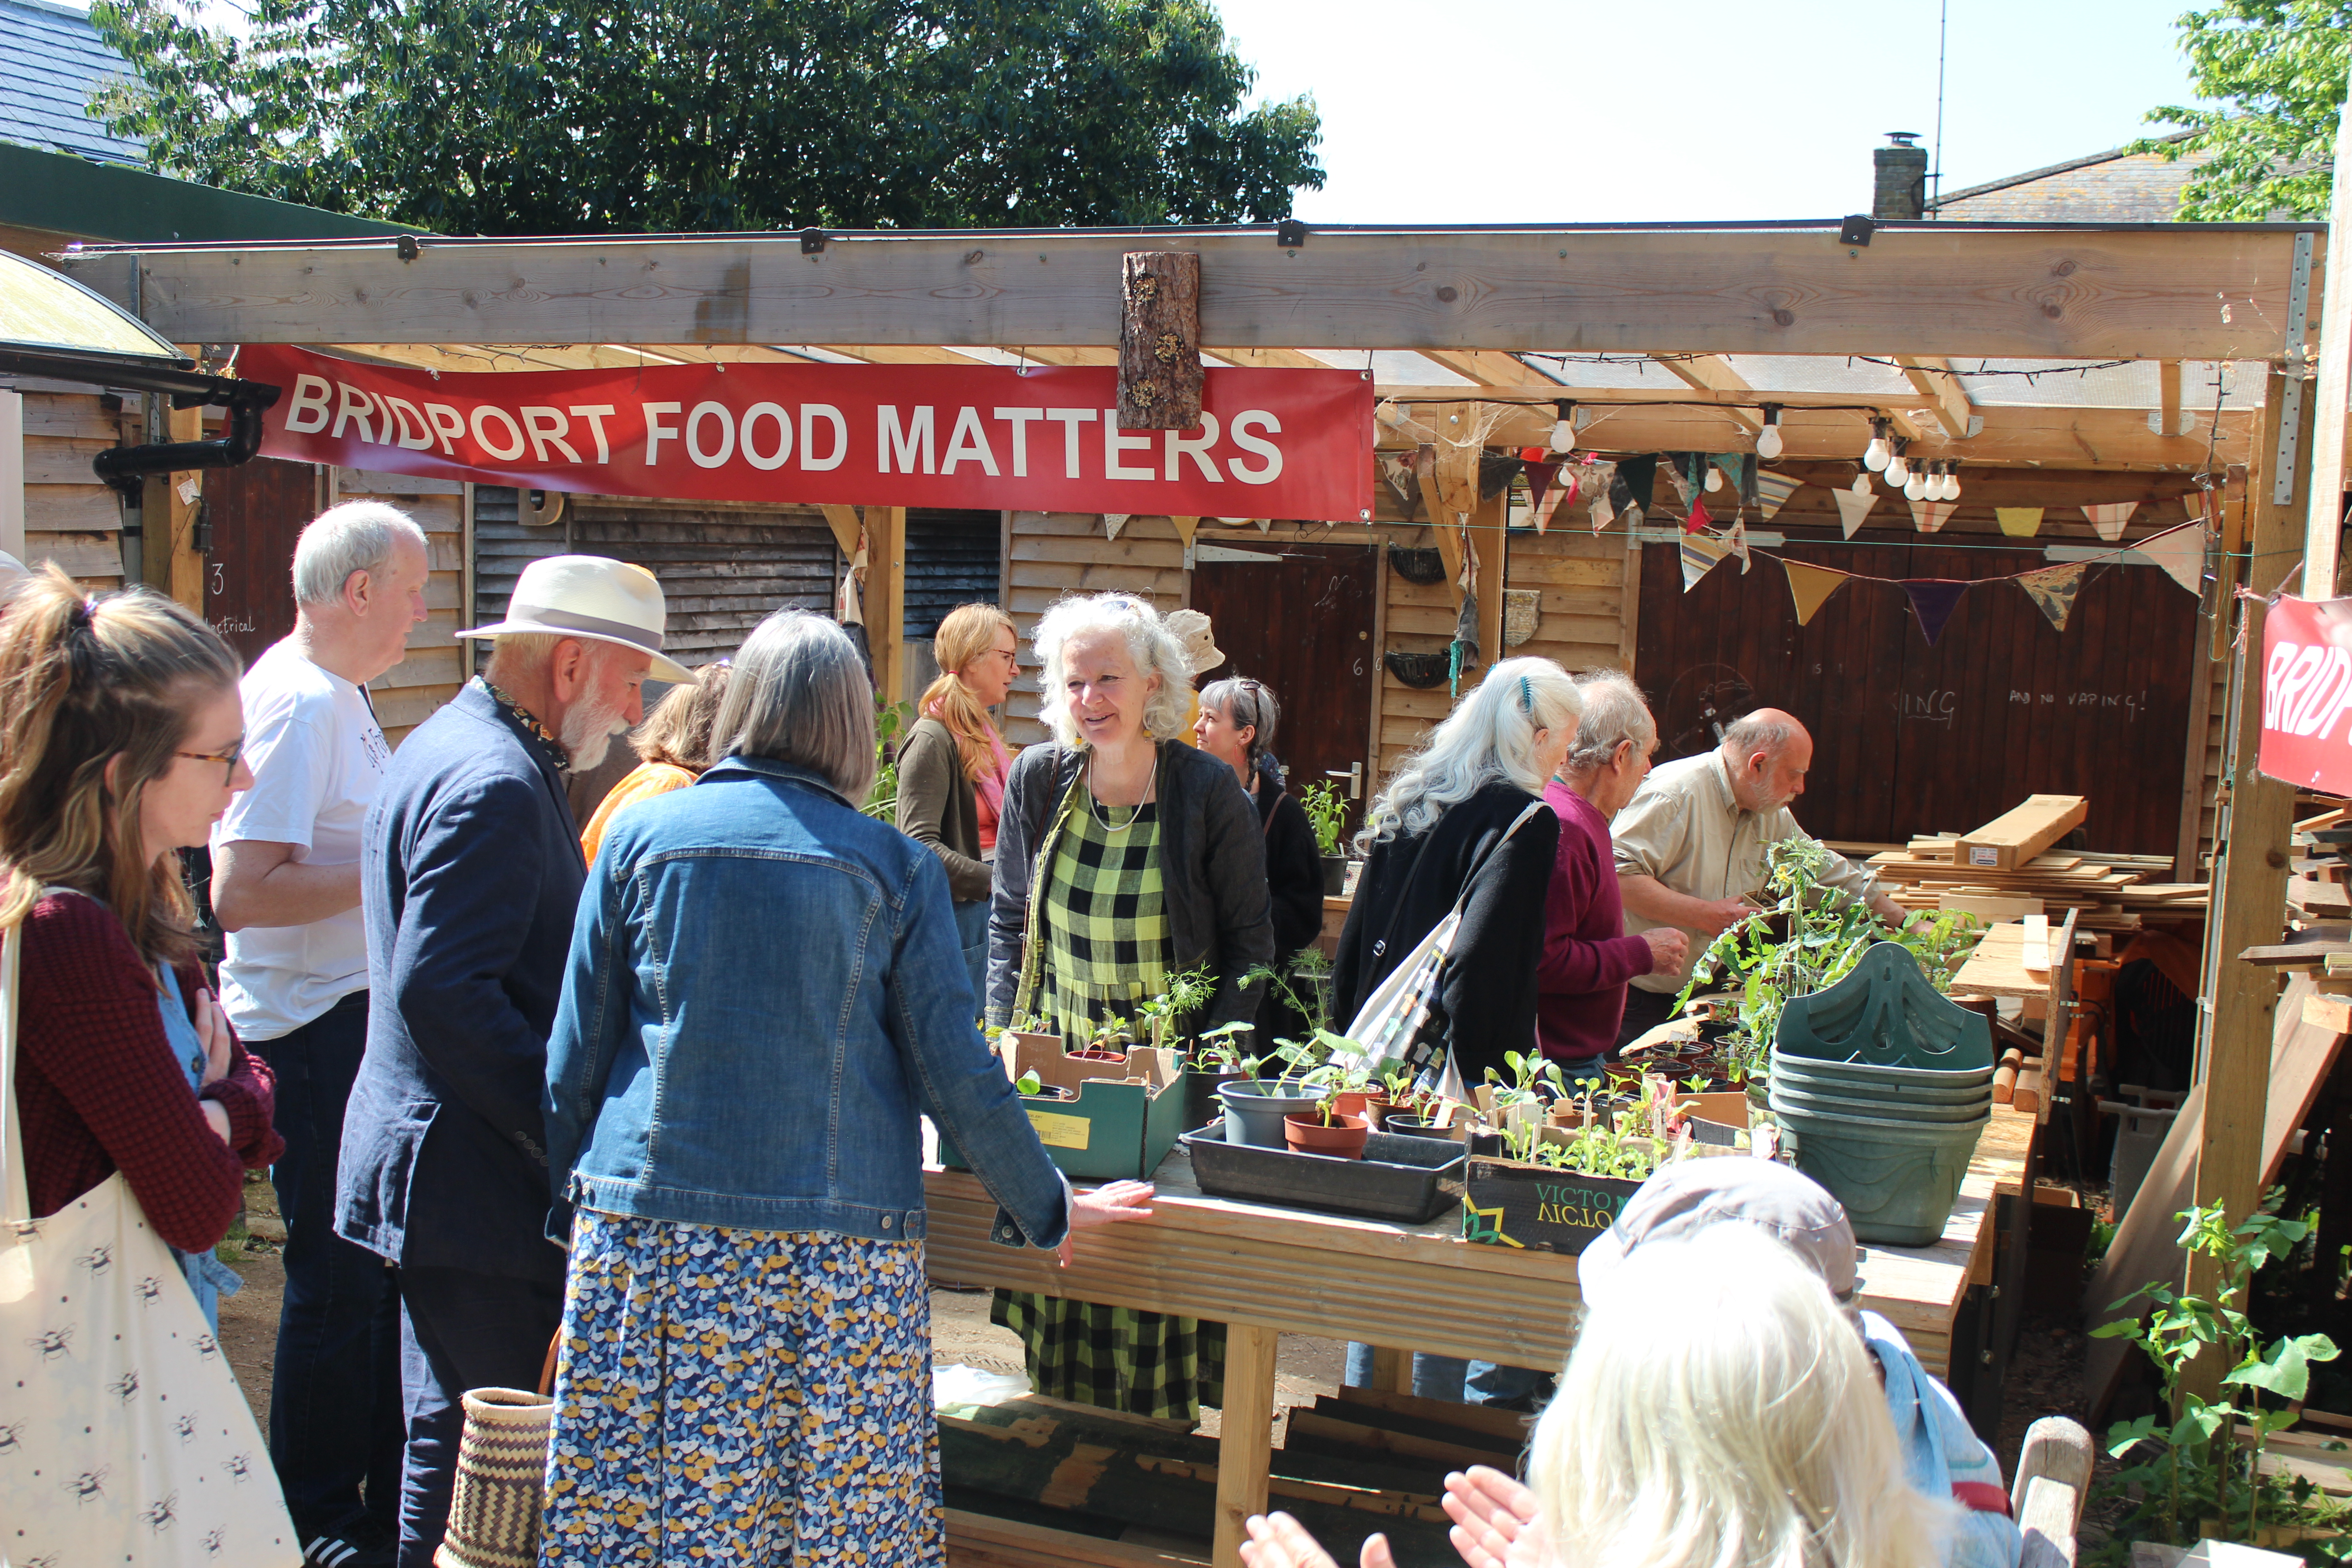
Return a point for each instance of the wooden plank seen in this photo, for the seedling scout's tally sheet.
(1943, 289)
(885, 598)
(846, 526)
(61, 460)
(983, 1540)
(78, 416)
(1152, 553)
(2145, 1246)
(88, 558)
(2018, 836)
(1712, 372)
(2293, 955)
(2323, 500)
(1246, 1439)
(1488, 368)
(72, 508)
(1931, 377)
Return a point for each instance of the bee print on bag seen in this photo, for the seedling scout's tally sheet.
(186, 1428)
(149, 1289)
(207, 1347)
(53, 1344)
(126, 1387)
(239, 1467)
(162, 1514)
(213, 1540)
(98, 1260)
(11, 1438)
(87, 1487)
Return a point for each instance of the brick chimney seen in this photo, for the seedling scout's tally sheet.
(1902, 189)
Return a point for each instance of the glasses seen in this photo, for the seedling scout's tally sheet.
(227, 759)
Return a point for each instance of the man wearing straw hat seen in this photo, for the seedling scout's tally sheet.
(470, 875)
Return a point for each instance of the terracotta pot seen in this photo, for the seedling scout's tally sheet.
(1371, 1104)
(1344, 1138)
(1095, 1056)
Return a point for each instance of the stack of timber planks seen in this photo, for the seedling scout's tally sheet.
(2320, 888)
(2007, 864)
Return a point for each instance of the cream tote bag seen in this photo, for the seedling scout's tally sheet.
(123, 1435)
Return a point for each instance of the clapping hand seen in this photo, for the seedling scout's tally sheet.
(1494, 1523)
(1278, 1541)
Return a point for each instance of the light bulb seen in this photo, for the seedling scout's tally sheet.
(1768, 442)
(1878, 454)
(1861, 485)
(1897, 471)
(1951, 487)
(1915, 489)
(1563, 436)
(1714, 478)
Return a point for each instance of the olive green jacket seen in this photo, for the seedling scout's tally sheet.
(938, 807)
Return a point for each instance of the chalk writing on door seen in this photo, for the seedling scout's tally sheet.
(2130, 704)
(1937, 707)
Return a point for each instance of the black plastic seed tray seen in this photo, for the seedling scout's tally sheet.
(1412, 1180)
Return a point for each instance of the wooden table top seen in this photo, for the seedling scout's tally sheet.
(1412, 1287)
(1997, 967)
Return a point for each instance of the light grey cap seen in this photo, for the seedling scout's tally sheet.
(1689, 1196)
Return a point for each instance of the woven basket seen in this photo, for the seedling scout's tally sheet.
(1424, 565)
(1418, 670)
(1522, 608)
(501, 1473)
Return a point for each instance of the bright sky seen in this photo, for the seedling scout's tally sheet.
(1568, 110)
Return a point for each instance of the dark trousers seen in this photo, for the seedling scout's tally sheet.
(1644, 1011)
(335, 1419)
(459, 1330)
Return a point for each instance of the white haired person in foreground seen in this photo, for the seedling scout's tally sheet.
(1719, 1412)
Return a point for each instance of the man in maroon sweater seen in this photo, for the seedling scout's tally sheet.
(1588, 958)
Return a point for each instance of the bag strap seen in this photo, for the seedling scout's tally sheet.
(1494, 849)
(15, 1196)
(1421, 854)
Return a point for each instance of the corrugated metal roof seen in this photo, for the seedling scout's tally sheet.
(51, 60)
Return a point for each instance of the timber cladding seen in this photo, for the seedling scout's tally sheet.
(435, 665)
(70, 517)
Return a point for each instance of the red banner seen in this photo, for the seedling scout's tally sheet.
(2306, 693)
(1271, 442)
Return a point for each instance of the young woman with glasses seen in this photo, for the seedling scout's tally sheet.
(119, 735)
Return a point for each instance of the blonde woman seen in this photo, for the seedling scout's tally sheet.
(953, 766)
(674, 749)
(120, 734)
(1719, 1411)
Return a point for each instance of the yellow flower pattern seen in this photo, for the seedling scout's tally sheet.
(733, 1396)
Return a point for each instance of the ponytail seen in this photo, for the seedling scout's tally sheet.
(86, 682)
(968, 631)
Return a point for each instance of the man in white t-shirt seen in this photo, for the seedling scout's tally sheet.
(286, 889)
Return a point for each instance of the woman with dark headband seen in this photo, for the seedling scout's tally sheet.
(1236, 726)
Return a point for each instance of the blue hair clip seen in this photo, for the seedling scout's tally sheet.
(1527, 698)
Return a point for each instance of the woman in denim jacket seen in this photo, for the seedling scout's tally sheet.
(765, 988)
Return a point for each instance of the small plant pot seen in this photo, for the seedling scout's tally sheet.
(1335, 875)
(1201, 1106)
(1371, 1104)
(1486, 1144)
(1342, 1139)
(1091, 1055)
(1254, 1109)
(1418, 1127)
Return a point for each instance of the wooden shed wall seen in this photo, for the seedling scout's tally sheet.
(70, 517)
(435, 665)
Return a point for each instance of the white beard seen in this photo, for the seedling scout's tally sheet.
(588, 731)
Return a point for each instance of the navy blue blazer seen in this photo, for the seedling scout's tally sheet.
(469, 875)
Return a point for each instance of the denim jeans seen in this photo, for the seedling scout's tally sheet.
(459, 1330)
(1459, 1382)
(334, 1400)
(971, 927)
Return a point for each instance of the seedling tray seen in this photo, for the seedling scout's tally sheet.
(1412, 1180)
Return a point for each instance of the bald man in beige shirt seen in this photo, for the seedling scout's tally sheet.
(1690, 846)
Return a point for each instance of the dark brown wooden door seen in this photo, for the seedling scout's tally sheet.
(1909, 738)
(258, 510)
(1301, 623)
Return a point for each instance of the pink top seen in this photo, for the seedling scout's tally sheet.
(1588, 958)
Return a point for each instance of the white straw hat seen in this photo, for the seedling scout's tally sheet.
(590, 596)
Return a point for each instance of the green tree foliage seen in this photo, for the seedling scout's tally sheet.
(506, 117)
(2273, 74)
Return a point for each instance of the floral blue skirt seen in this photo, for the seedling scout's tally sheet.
(727, 1395)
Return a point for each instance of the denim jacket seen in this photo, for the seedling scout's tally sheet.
(765, 987)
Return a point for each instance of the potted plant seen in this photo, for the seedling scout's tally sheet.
(1326, 812)
(1255, 1107)
(1518, 1102)
(1110, 1042)
(1219, 1058)
(1181, 996)
(1305, 983)
(1555, 1191)
(1326, 1131)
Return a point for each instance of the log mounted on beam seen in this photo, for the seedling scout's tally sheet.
(1943, 289)
(1159, 340)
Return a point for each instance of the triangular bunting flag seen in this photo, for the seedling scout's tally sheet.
(1853, 508)
(1733, 465)
(1772, 490)
(1396, 472)
(1929, 516)
(1739, 541)
(1554, 498)
(2109, 517)
(1933, 600)
(2052, 590)
(1810, 587)
(1539, 477)
(1264, 524)
(1697, 518)
(2018, 521)
(1700, 556)
(2181, 553)
(1115, 520)
(1604, 510)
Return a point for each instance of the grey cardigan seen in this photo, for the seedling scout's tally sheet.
(1212, 866)
(940, 808)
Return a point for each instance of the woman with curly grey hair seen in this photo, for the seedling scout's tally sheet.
(1123, 857)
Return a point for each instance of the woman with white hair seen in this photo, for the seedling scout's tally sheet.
(1123, 857)
(1588, 958)
(1718, 1409)
(744, 1364)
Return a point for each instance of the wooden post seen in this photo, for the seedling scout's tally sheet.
(1488, 532)
(1245, 1441)
(842, 520)
(185, 576)
(885, 598)
(2323, 526)
(1391, 1370)
(2250, 904)
(1159, 340)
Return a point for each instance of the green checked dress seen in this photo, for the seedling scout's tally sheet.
(1101, 945)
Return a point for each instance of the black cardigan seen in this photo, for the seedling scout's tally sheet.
(1485, 1003)
(1294, 866)
(1212, 869)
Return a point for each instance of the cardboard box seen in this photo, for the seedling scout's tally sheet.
(1124, 1120)
(2012, 839)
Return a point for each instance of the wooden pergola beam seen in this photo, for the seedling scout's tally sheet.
(1945, 289)
(2167, 395)
(2020, 436)
(1488, 368)
(1267, 359)
(1712, 372)
(1932, 377)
